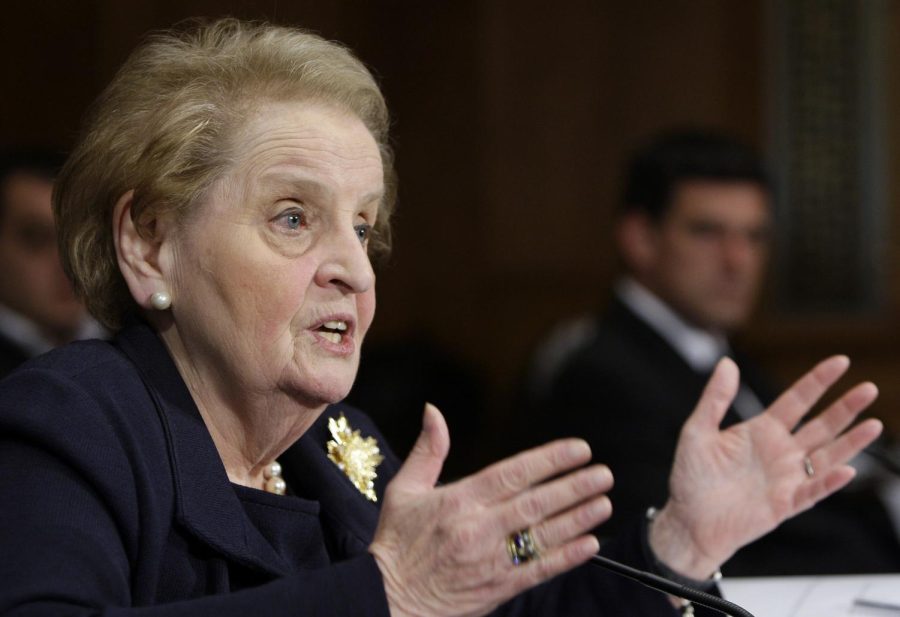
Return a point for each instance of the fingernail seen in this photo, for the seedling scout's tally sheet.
(579, 448)
(601, 505)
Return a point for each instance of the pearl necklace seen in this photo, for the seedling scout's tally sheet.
(274, 481)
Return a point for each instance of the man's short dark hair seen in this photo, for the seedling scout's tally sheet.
(657, 169)
(42, 163)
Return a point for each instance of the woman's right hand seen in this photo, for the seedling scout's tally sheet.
(442, 550)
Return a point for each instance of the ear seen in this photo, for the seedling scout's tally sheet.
(638, 238)
(138, 253)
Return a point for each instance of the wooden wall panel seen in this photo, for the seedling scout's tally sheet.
(48, 70)
(512, 121)
(570, 93)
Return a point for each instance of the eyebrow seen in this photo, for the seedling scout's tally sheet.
(295, 181)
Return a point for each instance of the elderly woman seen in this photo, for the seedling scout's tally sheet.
(220, 213)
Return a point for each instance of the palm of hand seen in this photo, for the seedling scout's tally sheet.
(729, 487)
(748, 477)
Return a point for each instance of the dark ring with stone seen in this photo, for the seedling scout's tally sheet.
(521, 547)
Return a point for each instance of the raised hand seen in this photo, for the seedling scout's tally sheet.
(730, 487)
(443, 550)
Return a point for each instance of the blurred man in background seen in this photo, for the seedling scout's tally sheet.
(694, 239)
(38, 309)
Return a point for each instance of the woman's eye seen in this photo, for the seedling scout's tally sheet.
(363, 231)
(291, 220)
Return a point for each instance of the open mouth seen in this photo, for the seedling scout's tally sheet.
(333, 331)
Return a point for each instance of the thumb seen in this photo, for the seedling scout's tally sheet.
(426, 459)
(717, 396)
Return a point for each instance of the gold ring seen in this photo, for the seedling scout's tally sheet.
(808, 467)
(522, 547)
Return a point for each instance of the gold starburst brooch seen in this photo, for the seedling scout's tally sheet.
(356, 456)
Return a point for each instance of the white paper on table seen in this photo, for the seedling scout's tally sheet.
(815, 596)
(883, 594)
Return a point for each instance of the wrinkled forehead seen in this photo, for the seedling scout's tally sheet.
(299, 149)
(311, 139)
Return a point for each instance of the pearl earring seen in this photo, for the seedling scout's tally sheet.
(161, 300)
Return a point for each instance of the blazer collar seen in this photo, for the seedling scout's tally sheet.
(205, 503)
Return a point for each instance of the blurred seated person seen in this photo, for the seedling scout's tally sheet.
(693, 235)
(220, 213)
(38, 307)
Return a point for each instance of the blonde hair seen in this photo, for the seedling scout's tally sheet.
(165, 127)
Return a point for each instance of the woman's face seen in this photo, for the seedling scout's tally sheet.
(272, 289)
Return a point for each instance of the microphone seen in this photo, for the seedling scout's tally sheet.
(666, 586)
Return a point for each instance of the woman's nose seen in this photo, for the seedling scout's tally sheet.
(346, 263)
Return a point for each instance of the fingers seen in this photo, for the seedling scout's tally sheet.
(552, 563)
(828, 449)
(541, 502)
(581, 519)
(833, 480)
(423, 466)
(510, 477)
(848, 445)
(558, 514)
(829, 462)
(720, 390)
(830, 423)
(796, 401)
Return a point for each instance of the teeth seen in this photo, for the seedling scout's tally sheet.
(336, 325)
(333, 337)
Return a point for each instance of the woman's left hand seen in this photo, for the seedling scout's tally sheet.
(729, 487)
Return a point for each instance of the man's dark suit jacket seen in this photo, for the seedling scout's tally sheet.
(11, 356)
(628, 392)
(113, 496)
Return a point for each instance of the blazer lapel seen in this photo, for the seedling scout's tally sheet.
(205, 502)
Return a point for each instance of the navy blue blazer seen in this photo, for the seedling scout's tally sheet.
(113, 500)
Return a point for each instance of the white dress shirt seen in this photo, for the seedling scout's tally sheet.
(701, 349)
(24, 333)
